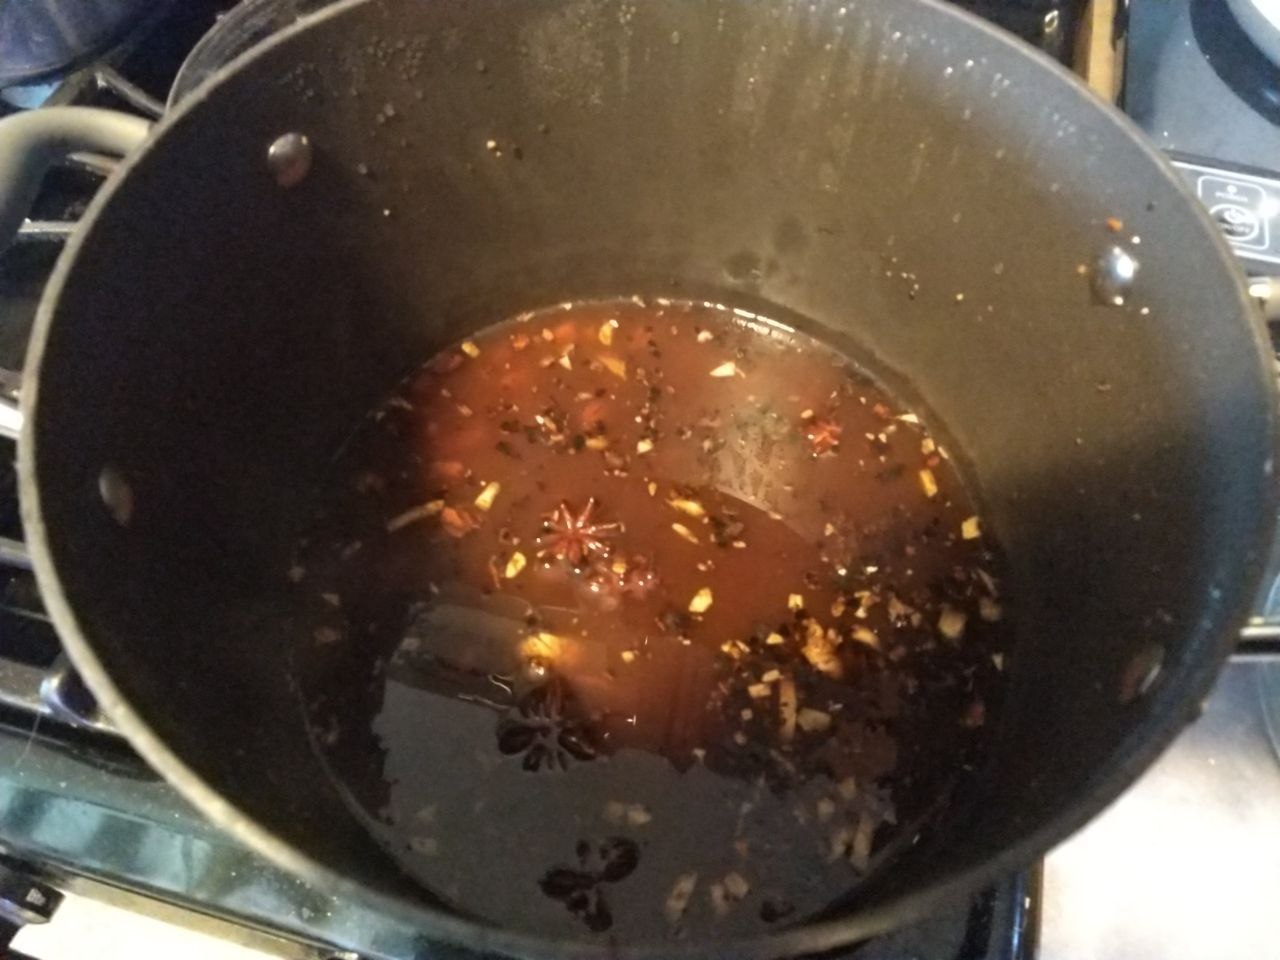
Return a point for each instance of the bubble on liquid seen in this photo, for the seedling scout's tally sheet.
(1112, 276)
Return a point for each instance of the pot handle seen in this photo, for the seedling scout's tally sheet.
(31, 143)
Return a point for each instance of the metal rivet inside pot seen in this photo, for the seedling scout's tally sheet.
(289, 158)
(1113, 275)
(1141, 672)
(116, 494)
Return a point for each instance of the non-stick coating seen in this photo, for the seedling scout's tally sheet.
(212, 336)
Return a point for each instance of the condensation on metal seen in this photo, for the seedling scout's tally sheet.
(563, 53)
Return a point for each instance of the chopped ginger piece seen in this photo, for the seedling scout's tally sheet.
(638, 815)
(516, 564)
(484, 500)
(684, 532)
(457, 522)
(543, 646)
(867, 636)
(615, 366)
(736, 886)
(679, 897)
(951, 623)
(701, 601)
(691, 507)
(813, 721)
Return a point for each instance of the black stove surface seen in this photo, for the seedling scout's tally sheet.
(1208, 96)
(1197, 84)
(77, 804)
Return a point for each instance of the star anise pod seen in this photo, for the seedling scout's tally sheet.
(823, 434)
(547, 728)
(576, 538)
(582, 889)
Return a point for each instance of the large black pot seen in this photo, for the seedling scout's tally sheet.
(210, 335)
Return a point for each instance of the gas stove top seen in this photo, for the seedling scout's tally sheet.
(80, 812)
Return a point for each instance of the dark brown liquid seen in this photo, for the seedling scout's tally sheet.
(654, 619)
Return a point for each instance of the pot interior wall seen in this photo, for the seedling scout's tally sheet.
(861, 166)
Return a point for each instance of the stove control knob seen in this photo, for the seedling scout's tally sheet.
(24, 900)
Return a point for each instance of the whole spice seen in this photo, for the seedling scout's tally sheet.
(576, 537)
(823, 435)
